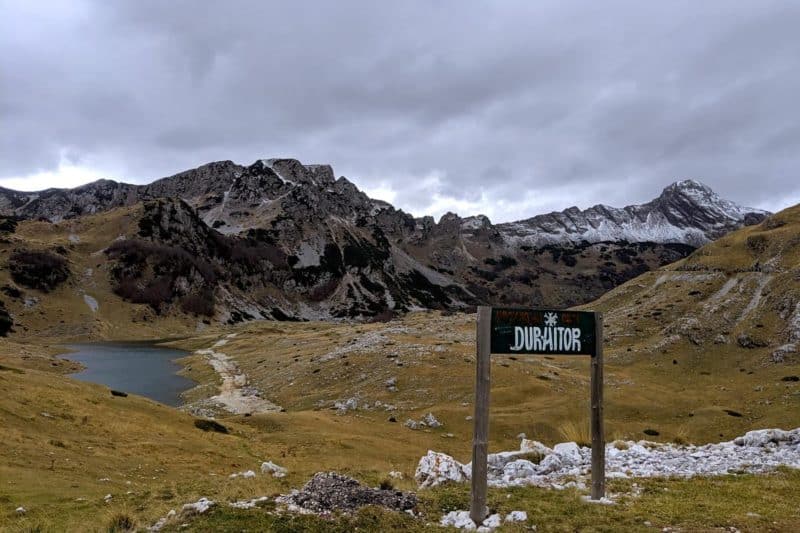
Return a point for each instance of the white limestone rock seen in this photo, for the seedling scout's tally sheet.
(517, 516)
(437, 468)
(271, 468)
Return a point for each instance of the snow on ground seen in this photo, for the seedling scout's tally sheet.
(567, 464)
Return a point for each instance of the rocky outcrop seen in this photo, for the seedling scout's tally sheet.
(280, 239)
(686, 212)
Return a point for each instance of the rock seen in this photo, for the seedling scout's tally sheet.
(199, 507)
(437, 468)
(119, 394)
(108, 498)
(249, 504)
(534, 446)
(458, 519)
(569, 452)
(780, 353)
(271, 468)
(492, 521)
(762, 437)
(391, 384)
(394, 474)
(517, 516)
(551, 463)
(246, 475)
(519, 469)
(411, 424)
(350, 404)
(20, 510)
(328, 492)
(431, 421)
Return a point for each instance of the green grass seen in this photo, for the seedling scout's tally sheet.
(749, 503)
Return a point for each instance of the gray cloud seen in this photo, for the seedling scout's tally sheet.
(507, 108)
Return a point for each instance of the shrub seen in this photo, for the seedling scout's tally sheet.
(199, 304)
(577, 433)
(384, 316)
(210, 425)
(38, 270)
(8, 224)
(121, 523)
(6, 322)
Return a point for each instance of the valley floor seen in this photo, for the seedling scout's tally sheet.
(336, 397)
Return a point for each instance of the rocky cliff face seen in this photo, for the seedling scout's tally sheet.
(279, 239)
(686, 212)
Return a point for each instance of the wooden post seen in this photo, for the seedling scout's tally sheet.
(478, 510)
(598, 432)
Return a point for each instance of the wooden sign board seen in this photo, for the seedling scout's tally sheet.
(534, 332)
(546, 332)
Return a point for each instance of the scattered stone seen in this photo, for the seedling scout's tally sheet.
(247, 474)
(568, 465)
(601, 501)
(351, 404)
(391, 384)
(431, 421)
(517, 516)
(249, 504)
(108, 498)
(461, 520)
(458, 520)
(328, 492)
(199, 507)
(394, 474)
(780, 353)
(271, 468)
(20, 510)
(158, 526)
(411, 424)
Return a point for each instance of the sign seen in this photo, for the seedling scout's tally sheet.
(535, 331)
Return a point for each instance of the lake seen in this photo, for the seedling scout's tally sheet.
(141, 368)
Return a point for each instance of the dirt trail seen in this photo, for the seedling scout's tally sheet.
(235, 395)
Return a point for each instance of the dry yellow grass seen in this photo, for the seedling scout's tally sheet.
(681, 388)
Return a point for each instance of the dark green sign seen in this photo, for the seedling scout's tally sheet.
(537, 331)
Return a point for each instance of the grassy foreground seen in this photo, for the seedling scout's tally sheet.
(748, 503)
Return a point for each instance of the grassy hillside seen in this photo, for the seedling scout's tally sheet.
(699, 351)
(83, 306)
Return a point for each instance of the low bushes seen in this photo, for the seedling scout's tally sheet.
(39, 270)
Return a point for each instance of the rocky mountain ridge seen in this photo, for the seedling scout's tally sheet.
(281, 240)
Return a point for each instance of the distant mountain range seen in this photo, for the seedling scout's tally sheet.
(290, 241)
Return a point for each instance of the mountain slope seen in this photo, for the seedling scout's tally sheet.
(686, 212)
(739, 295)
(282, 240)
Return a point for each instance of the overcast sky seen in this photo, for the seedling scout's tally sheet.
(499, 107)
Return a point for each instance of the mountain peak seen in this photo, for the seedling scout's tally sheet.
(689, 187)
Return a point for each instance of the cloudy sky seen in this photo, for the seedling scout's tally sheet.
(501, 107)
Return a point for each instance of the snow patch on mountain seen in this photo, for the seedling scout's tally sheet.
(686, 212)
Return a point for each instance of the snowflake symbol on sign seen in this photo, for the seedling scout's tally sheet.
(550, 319)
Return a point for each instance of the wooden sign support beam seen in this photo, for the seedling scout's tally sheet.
(598, 431)
(532, 331)
(480, 441)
